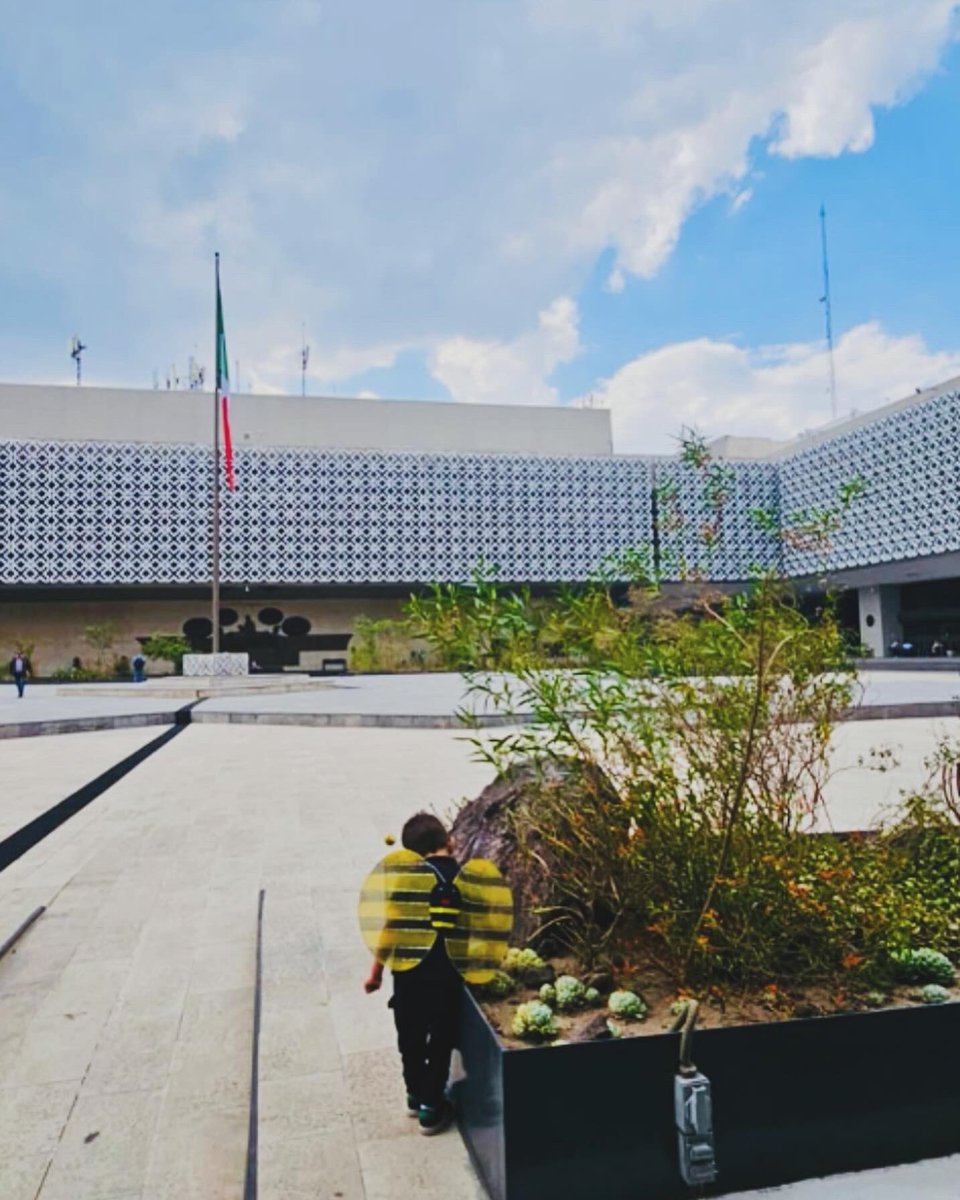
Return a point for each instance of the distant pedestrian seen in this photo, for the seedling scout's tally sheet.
(139, 668)
(20, 669)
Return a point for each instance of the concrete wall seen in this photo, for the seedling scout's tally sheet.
(56, 626)
(32, 412)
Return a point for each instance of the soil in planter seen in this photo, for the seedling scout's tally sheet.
(718, 1007)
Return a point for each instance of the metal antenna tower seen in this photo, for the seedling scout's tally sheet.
(76, 350)
(304, 359)
(828, 313)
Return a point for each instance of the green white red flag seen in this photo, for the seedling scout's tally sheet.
(223, 387)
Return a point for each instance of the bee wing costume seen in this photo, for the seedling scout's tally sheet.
(405, 904)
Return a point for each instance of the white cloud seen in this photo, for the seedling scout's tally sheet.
(510, 372)
(470, 172)
(772, 391)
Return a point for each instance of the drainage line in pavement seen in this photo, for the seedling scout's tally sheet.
(25, 838)
(18, 933)
(250, 1180)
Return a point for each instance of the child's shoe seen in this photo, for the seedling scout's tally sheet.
(413, 1106)
(435, 1120)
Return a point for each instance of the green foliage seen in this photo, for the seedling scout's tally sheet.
(167, 647)
(101, 639)
(388, 646)
(591, 996)
(534, 1021)
(570, 992)
(548, 994)
(933, 993)
(922, 966)
(79, 675)
(625, 1003)
(679, 767)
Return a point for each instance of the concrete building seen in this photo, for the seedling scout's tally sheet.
(343, 507)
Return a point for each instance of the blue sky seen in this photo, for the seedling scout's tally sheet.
(520, 201)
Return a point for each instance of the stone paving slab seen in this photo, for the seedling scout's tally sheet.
(35, 777)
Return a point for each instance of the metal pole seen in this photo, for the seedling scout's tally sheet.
(215, 585)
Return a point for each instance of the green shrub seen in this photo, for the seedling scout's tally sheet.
(167, 647)
(101, 638)
(79, 675)
(548, 994)
(387, 646)
(922, 966)
(692, 745)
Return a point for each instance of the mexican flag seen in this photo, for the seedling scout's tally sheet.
(223, 387)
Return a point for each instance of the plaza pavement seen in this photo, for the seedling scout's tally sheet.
(126, 1012)
(384, 698)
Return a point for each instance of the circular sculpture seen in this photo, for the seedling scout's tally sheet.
(195, 629)
(296, 627)
(228, 616)
(270, 616)
(405, 906)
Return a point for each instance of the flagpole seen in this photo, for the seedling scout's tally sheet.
(215, 523)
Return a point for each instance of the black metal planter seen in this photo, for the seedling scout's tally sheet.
(791, 1100)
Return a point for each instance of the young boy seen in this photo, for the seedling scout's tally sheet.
(426, 999)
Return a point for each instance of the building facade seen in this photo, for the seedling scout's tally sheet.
(343, 507)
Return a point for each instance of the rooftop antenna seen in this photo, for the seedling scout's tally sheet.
(76, 349)
(304, 359)
(828, 314)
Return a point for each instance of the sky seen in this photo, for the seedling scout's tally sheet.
(604, 202)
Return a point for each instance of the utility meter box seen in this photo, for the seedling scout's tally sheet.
(694, 1116)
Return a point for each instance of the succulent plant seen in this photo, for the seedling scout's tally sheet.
(548, 994)
(933, 993)
(500, 985)
(591, 996)
(516, 961)
(624, 1003)
(534, 1020)
(923, 966)
(876, 999)
(570, 993)
(614, 1028)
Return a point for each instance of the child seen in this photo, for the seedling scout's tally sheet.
(426, 999)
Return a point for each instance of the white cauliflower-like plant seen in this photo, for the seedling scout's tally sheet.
(934, 993)
(624, 1003)
(591, 996)
(548, 994)
(534, 1021)
(570, 993)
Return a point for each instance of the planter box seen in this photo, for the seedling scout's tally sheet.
(791, 1100)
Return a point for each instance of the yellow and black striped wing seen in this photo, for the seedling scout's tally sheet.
(477, 946)
(395, 910)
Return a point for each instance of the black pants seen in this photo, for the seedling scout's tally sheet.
(21, 682)
(426, 1013)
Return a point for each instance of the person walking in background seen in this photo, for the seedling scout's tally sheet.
(138, 664)
(20, 669)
